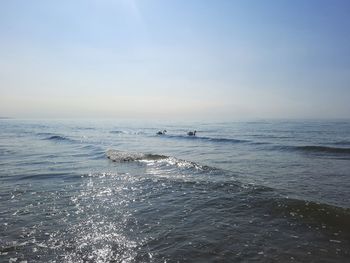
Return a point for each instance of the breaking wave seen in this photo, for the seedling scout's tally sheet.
(122, 156)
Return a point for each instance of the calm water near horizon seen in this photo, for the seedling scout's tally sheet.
(114, 191)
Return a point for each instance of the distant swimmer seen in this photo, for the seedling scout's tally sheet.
(192, 133)
(161, 132)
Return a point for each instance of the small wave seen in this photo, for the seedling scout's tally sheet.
(116, 132)
(260, 143)
(44, 176)
(57, 138)
(315, 149)
(45, 133)
(6, 152)
(85, 128)
(272, 136)
(342, 143)
(323, 149)
(121, 156)
(317, 213)
(224, 140)
(208, 139)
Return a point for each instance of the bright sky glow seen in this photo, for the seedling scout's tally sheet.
(175, 59)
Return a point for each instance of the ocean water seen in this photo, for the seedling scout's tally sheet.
(114, 191)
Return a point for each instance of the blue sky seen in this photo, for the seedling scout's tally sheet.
(175, 59)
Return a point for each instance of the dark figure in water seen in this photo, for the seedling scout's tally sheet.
(161, 132)
(192, 133)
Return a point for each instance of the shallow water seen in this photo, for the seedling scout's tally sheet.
(114, 191)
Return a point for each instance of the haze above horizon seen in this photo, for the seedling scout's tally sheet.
(175, 59)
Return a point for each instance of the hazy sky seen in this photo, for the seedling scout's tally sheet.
(175, 59)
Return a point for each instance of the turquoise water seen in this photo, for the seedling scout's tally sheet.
(114, 191)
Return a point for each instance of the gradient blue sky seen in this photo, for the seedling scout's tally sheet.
(175, 59)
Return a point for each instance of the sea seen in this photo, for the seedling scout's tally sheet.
(115, 191)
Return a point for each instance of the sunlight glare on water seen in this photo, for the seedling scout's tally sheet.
(264, 191)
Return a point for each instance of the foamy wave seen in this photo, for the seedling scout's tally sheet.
(121, 156)
(149, 159)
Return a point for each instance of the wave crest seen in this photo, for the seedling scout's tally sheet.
(325, 149)
(148, 158)
(314, 149)
(208, 139)
(121, 156)
(57, 138)
(318, 213)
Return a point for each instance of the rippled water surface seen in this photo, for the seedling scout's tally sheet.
(114, 191)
